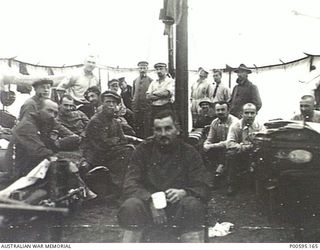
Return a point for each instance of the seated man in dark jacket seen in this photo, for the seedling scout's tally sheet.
(104, 143)
(37, 137)
(164, 164)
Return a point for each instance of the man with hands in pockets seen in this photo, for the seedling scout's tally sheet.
(173, 170)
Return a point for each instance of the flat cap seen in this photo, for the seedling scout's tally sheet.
(41, 82)
(113, 81)
(109, 93)
(143, 63)
(160, 64)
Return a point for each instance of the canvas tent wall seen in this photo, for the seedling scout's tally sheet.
(280, 86)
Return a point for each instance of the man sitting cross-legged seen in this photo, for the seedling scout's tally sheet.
(164, 164)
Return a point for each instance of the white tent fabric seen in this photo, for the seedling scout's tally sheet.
(280, 86)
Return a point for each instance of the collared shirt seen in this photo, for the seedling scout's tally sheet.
(223, 93)
(242, 94)
(167, 84)
(140, 87)
(219, 131)
(77, 85)
(314, 118)
(241, 133)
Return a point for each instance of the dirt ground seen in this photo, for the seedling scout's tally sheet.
(97, 223)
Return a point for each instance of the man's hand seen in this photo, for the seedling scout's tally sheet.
(175, 195)
(207, 147)
(158, 215)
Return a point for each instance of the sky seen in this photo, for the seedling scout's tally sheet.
(123, 32)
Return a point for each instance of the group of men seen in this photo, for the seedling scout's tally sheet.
(205, 94)
(96, 123)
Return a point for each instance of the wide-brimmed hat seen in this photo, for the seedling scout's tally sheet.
(244, 68)
(202, 69)
(205, 100)
(41, 82)
(109, 93)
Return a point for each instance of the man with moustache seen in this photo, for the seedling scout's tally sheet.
(161, 91)
(104, 143)
(244, 92)
(42, 91)
(307, 110)
(140, 104)
(166, 164)
(239, 144)
(215, 144)
(37, 137)
(71, 118)
(206, 113)
(77, 85)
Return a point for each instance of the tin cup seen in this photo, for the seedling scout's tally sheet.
(159, 200)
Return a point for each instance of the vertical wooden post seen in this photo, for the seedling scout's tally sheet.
(182, 68)
(170, 53)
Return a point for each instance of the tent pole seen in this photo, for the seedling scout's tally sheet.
(170, 53)
(182, 69)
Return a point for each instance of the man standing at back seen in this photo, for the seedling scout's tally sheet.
(161, 91)
(77, 85)
(244, 92)
(221, 93)
(140, 104)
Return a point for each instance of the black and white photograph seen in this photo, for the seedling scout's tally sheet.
(159, 121)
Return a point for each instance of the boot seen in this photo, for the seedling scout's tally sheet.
(132, 236)
(193, 237)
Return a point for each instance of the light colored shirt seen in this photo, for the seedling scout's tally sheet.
(167, 84)
(314, 118)
(219, 131)
(77, 85)
(223, 93)
(199, 91)
(240, 133)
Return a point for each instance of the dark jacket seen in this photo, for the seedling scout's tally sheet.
(151, 170)
(127, 97)
(243, 94)
(32, 143)
(98, 144)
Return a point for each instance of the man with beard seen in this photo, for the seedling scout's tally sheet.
(161, 91)
(140, 105)
(206, 113)
(77, 85)
(104, 143)
(308, 113)
(164, 164)
(92, 95)
(71, 118)
(42, 90)
(215, 144)
(244, 92)
(199, 90)
(239, 144)
(37, 137)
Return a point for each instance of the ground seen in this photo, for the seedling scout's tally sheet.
(97, 223)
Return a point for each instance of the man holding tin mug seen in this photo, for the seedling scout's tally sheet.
(165, 184)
